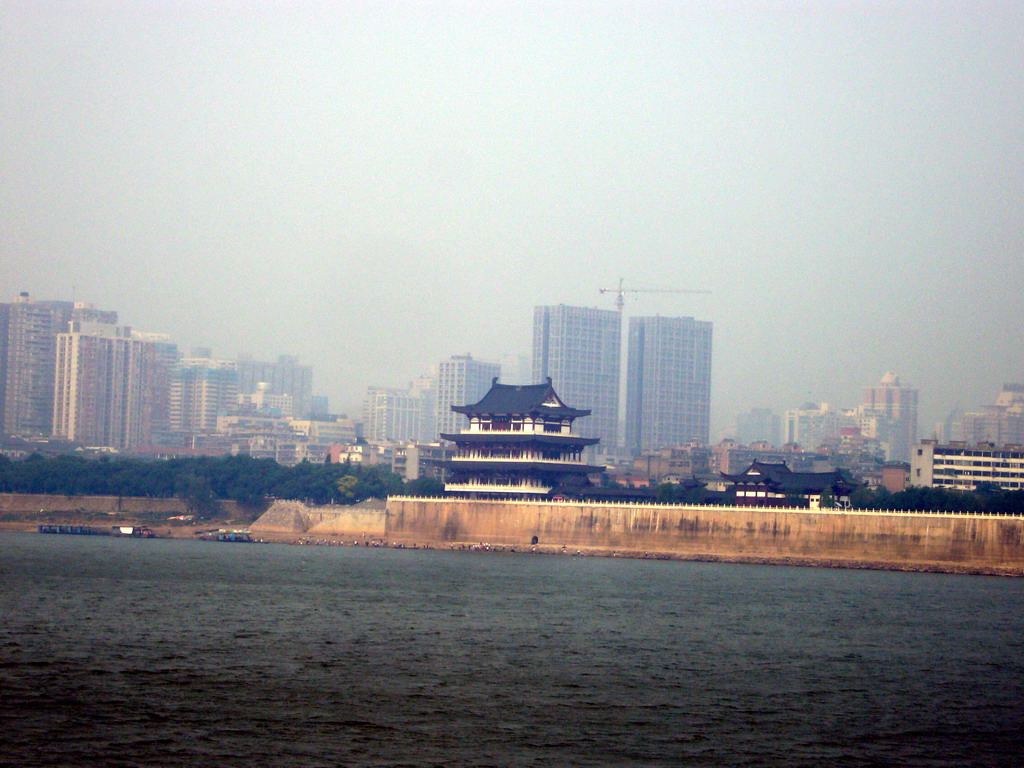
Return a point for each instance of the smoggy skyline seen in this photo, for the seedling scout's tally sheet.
(376, 187)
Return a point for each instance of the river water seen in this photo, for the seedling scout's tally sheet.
(119, 652)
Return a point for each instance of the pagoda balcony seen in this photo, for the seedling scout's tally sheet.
(516, 459)
(475, 430)
(497, 488)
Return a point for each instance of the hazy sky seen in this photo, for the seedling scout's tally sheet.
(376, 186)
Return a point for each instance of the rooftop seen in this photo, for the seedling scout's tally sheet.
(525, 399)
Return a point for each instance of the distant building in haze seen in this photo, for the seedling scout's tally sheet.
(285, 377)
(759, 425)
(888, 413)
(263, 402)
(461, 380)
(165, 357)
(202, 389)
(319, 407)
(28, 357)
(999, 423)
(812, 425)
(579, 348)
(103, 386)
(424, 387)
(668, 382)
(391, 415)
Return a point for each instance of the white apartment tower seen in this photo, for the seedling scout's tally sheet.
(461, 380)
(103, 387)
(391, 415)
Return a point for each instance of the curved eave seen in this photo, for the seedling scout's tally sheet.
(571, 413)
(519, 438)
(478, 465)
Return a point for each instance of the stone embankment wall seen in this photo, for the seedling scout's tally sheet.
(24, 504)
(366, 520)
(907, 539)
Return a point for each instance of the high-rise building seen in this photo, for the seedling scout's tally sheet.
(1001, 423)
(285, 377)
(263, 403)
(424, 387)
(202, 388)
(579, 349)
(166, 356)
(461, 380)
(28, 356)
(759, 425)
(668, 382)
(811, 425)
(391, 415)
(888, 413)
(103, 385)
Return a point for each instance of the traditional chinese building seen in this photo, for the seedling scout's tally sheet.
(519, 444)
(776, 485)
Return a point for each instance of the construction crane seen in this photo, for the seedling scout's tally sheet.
(620, 292)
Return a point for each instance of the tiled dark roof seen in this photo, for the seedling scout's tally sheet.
(780, 479)
(523, 399)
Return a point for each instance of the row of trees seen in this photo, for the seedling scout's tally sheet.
(987, 497)
(201, 481)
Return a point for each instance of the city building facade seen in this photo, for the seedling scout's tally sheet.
(103, 386)
(285, 377)
(999, 423)
(811, 425)
(668, 382)
(460, 380)
(759, 425)
(962, 466)
(888, 413)
(579, 348)
(201, 390)
(392, 415)
(28, 357)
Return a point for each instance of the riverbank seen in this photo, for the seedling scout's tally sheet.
(195, 532)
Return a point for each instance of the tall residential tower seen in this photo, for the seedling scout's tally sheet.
(668, 384)
(461, 380)
(579, 348)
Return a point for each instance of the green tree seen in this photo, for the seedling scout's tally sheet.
(198, 496)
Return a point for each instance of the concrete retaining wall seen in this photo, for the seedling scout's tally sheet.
(365, 520)
(897, 539)
(31, 503)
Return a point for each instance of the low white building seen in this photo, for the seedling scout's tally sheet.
(961, 466)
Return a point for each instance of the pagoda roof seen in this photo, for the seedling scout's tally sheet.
(520, 438)
(532, 399)
(781, 479)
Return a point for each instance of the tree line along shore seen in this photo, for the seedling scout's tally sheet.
(201, 482)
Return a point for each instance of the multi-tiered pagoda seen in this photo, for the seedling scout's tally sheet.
(519, 444)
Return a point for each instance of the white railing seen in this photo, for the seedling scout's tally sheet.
(533, 459)
(517, 432)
